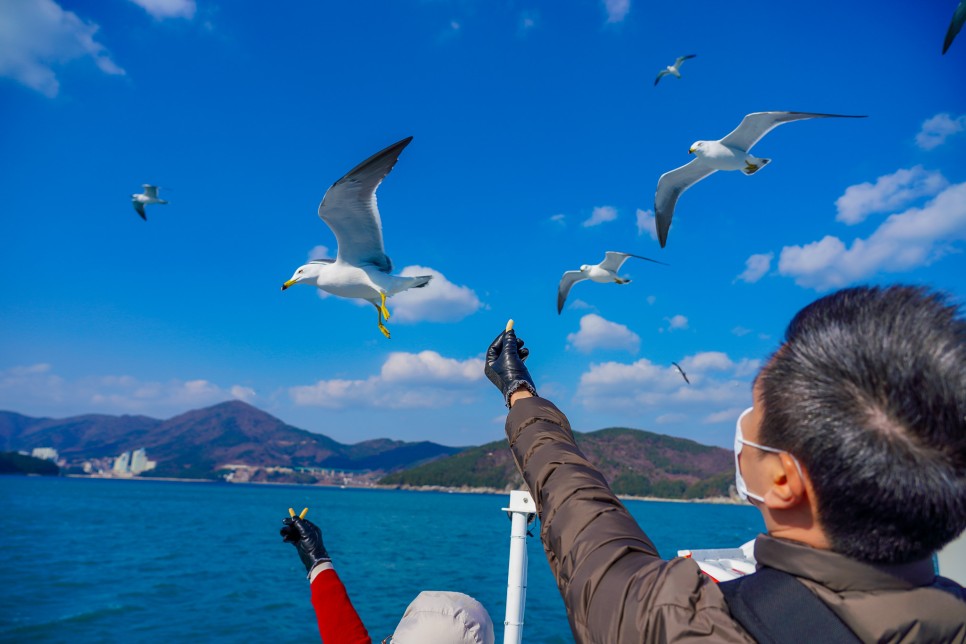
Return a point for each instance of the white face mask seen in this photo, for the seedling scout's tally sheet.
(740, 485)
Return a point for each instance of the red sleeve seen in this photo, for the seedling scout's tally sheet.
(338, 621)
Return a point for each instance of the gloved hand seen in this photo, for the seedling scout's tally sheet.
(307, 539)
(504, 365)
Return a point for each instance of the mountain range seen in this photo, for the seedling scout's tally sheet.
(200, 444)
(197, 444)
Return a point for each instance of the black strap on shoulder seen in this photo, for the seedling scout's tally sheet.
(776, 608)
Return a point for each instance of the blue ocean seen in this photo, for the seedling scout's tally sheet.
(90, 560)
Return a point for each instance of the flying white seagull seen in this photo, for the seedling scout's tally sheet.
(674, 69)
(150, 195)
(603, 273)
(361, 268)
(681, 371)
(730, 153)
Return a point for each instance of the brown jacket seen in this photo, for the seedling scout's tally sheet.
(617, 589)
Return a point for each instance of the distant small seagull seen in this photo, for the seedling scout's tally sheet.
(674, 69)
(604, 273)
(361, 268)
(681, 371)
(959, 17)
(730, 153)
(150, 195)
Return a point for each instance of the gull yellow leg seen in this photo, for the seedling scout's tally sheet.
(382, 306)
(382, 327)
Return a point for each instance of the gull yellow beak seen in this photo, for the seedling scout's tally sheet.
(691, 150)
(287, 284)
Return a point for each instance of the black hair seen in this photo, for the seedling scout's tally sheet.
(868, 391)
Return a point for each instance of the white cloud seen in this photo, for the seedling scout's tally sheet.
(559, 218)
(756, 266)
(616, 9)
(35, 35)
(580, 305)
(916, 237)
(600, 215)
(642, 386)
(937, 129)
(597, 333)
(645, 223)
(405, 381)
(438, 301)
(740, 331)
(724, 415)
(889, 192)
(162, 9)
(319, 252)
(651, 299)
(38, 389)
(676, 322)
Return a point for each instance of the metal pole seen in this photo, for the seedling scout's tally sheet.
(521, 509)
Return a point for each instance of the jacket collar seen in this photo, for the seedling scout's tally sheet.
(838, 572)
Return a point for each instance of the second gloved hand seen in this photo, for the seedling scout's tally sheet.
(504, 365)
(307, 539)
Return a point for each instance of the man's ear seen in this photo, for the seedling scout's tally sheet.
(788, 487)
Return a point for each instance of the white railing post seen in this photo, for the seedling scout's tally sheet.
(521, 509)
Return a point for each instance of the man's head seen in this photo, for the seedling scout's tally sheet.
(868, 392)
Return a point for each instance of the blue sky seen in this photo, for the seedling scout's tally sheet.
(539, 140)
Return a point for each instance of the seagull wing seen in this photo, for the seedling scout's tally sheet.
(757, 124)
(959, 17)
(681, 59)
(349, 209)
(151, 191)
(669, 188)
(681, 371)
(661, 75)
(139, 207)
(566, 282)
(614, 260)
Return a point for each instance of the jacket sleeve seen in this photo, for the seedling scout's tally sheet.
(615, 586)
(338, 621)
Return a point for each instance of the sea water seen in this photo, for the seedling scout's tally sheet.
(93, 560)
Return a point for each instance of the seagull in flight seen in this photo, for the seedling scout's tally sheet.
(730, 153)
(361, 268)
(604, 273)
(959, 17)
(674, 69)
(150, 195)
(681, 371)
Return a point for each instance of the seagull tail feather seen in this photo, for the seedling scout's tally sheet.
(420, 281)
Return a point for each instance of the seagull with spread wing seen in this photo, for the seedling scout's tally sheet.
(361, 268)
(603, 273)
(729, 153)
(674, 70)
(150, 195)
(681, 371)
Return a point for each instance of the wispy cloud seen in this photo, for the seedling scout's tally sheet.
(421, 380)
(889, 192)
(438, 301)
(162, 9)
(36, 35)
(38, 389)
(597, 333)
(937, 129)
(916, 237)
(600, 215)
(645, 223)
(559, 218)
(616, 10)
(756, 267)
(528, 21)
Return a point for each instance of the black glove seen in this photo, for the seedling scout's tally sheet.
(504, 365)
(307, 539)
